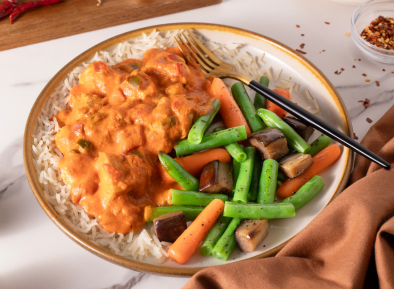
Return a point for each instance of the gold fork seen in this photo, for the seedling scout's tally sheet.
(212, 65)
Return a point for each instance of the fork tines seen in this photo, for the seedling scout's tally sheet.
(207, 60)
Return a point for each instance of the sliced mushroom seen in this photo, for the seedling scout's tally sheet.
(215, 178)
(170, 226)
(271, 142)
(295, 164)
(305, 131)
(250, 233)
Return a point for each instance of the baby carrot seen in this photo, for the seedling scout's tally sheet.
(273, 107)
(194, 163)
(230, 111)
(322, 160)
(187, 243)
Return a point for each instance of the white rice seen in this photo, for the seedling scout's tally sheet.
(268, 71)
(261, 58)
(278, 75)
(46, 157)
(308, 94)
(315, 103)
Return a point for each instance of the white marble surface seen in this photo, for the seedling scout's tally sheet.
(34, 253)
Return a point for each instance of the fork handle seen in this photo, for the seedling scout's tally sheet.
(317, 123)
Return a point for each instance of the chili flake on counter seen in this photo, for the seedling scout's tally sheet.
(366, 102)
(380, 33)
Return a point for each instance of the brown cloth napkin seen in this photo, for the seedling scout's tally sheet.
(350, 244)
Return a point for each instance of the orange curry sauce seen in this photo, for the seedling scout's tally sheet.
(121, 116)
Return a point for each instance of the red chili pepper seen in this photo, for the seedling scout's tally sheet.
(29, 5)
(7, 7)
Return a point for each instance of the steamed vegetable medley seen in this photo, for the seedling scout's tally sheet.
(264, 169)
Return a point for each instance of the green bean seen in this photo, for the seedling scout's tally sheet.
(212, 140)
(234, 149)
(245, 104)
(259, 100)
(179, 197)
(202, 123)
(236, 168)
(245, 177)
(294, 140)
(226, 243)
(214, 235)
(319, 144)
(259, 211)
(281, 176)
(254, 185)
(268, 179)
(306, 192)
(178, 173)
(153, 212)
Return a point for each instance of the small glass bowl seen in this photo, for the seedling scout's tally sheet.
(362, 17)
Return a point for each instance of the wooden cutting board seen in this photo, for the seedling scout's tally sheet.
(72, 17)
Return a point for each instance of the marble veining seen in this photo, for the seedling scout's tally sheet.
(129, 284)
(30, 83)
(382, 98)
(11, 167)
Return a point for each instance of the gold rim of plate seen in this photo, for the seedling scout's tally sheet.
(88, 54)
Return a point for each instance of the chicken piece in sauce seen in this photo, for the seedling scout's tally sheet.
(120, 118)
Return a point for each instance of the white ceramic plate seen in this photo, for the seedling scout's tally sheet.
(278, 56)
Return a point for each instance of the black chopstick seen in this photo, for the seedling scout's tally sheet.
(317, 123)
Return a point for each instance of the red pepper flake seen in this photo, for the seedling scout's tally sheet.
(361, 101)
(28, 5)
(359, 60)
(380, 33)
(300, 51)
(377, 83)
(369, 120)
(298, 26)
(383, 69)
(354, 66)
(323, 50)
(355, 137)
(302, 45)
(338, 72)
(302, 34)
(364, 75)
(392, 72)
(328, 23)
(366, 102)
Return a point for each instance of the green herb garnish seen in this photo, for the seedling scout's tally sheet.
(135, 80)
(84, 143)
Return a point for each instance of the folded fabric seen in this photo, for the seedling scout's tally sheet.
(350, 244)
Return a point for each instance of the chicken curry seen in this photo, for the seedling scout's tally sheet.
(121, 116)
